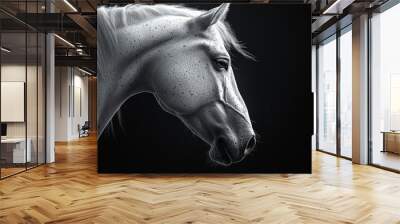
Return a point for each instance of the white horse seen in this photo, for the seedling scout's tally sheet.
(181, 56)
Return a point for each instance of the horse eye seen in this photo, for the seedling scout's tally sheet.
(222, 63)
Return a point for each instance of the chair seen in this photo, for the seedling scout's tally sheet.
(84, 130)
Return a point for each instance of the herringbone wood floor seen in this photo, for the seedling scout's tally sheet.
(70, 191)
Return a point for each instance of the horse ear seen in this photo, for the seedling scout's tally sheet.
(205, 20)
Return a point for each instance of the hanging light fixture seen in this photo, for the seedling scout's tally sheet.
(5, 50)
(70, 5)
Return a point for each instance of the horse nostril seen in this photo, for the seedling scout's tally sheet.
(224, 152)
(250, 145)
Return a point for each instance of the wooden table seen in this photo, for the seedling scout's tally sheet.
(13, 150)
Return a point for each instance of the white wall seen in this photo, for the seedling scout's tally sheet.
(79, 103)
(71, 102)
(61, 103)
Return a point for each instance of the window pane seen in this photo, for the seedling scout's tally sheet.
(327, 96)
(386, 88)
(314, 86)
(346, 94)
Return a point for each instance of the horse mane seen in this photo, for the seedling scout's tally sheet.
(110, 19)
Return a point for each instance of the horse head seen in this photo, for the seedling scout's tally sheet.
(194, 81)
(190, 74)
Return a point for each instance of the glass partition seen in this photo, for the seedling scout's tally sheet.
(41, 96)
(22, 88)
(14, 153)
(31, 99)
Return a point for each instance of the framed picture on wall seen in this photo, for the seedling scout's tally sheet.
(204, 88)
(12, 101)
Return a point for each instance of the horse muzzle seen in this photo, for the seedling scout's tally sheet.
(227, 151)
(228, 132)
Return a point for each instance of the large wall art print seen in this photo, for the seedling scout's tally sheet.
(204, 88)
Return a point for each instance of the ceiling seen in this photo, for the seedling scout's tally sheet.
(75, 21)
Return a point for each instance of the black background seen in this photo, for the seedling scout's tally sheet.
(276, 89)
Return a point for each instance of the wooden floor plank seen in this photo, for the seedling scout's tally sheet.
(71, 191)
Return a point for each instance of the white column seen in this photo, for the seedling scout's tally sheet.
(50, 93)
(360, 90)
